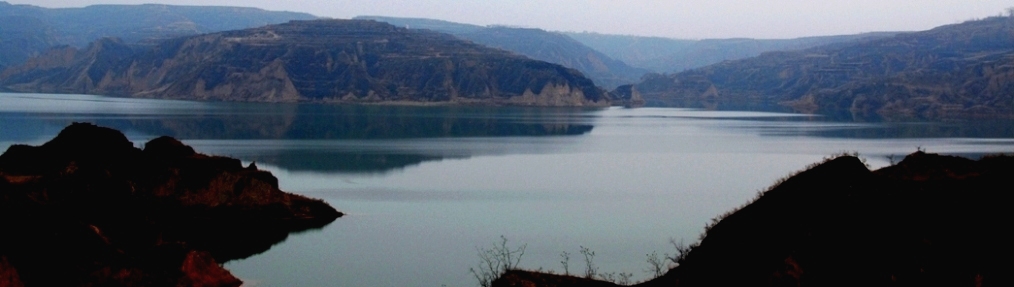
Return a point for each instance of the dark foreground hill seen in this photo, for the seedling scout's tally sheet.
(956, 71)
(930, 220)
(319, 60)
(30, 30)
(537, 44)
(89, 209)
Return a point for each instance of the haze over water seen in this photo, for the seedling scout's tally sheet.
(425, 186)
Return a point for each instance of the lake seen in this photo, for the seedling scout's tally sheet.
(425, 187)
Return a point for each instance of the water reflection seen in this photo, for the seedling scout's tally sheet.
(378, 139)
(29, 117)
(344, 162)
(844, 124)
(952, 129)
(553, 173)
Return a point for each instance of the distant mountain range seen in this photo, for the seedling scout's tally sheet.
(30, 30)
(961, 70)
(537, 44)
(615, 60)
(318, 60)
(954, 71)
(665, 55)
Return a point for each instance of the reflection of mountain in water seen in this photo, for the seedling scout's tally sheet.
(296, 122)
(996, 129)
(343, 162)
(845, 125)
(293, 121)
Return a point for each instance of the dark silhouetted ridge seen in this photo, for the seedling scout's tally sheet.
(930, 220)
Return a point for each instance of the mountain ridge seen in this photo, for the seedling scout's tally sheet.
(351, 61)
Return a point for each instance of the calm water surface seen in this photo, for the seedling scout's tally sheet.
(425, 186)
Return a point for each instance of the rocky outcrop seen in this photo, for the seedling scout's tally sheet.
(629, 95)
(930, 220)
(316, 61)
(88, 208)
(963, 70)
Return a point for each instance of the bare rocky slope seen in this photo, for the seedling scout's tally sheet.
(320, 60)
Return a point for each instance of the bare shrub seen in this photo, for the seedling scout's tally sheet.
(682, 250)
(658, 265)
(589, 256)
(625, 279)
(566, 262)
(496, 261)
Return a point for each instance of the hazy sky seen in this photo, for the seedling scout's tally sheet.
(693, 19)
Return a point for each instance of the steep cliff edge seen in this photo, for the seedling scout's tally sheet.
(930, 220)
(319, 61)
(88, 208)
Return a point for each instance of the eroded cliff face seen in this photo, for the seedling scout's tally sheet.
(68, 70)
(317, 61)
(88, 208)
